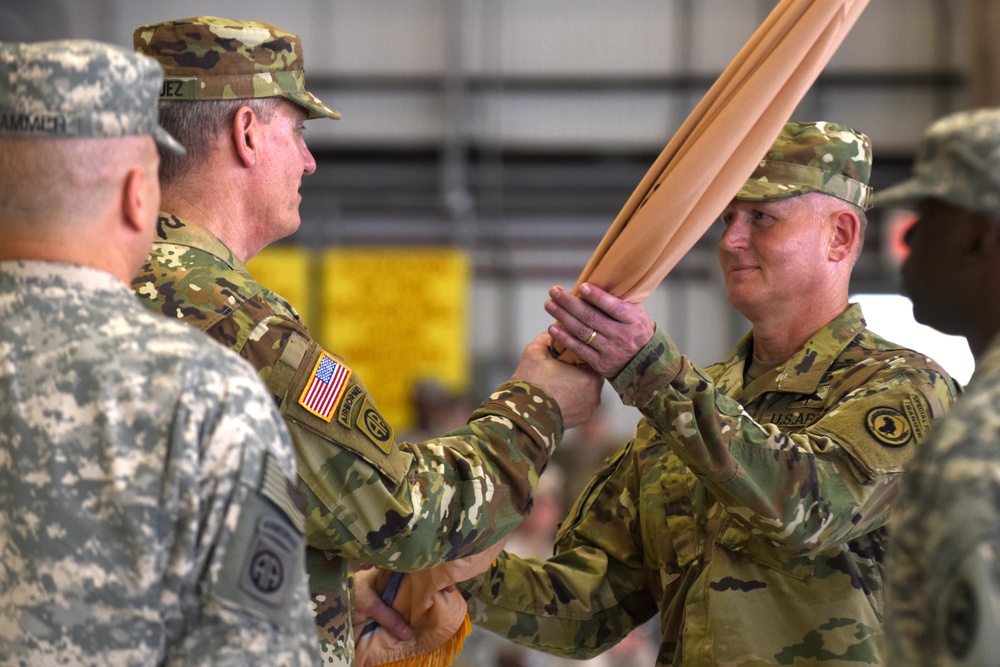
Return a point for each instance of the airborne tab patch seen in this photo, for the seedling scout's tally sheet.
(889, 426)
(347, 406)
(325, 387)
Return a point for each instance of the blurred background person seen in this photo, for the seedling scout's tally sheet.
(943, 597)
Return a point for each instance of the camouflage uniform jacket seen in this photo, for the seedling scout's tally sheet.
(944, 557)
(396, 505)
(146, 485)
(752, 517)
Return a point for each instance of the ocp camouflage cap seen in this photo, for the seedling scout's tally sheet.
(958, 162)
(212, 58)
(814, 157)
(79, 88)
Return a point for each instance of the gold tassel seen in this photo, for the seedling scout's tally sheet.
(442, 656)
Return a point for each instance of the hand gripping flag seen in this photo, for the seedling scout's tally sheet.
(717, 147)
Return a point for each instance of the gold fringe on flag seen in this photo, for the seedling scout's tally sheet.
(434, 608)
(442, 656)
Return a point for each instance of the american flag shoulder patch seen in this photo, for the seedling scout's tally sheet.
(325, 387)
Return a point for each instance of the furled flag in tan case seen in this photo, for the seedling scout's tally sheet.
(705, 163)
(718, 146)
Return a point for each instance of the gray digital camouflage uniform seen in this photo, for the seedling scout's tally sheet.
(79, 88)
(944, 579)
(396, 505)
(145, 477)
(943, 588)
(746, 562)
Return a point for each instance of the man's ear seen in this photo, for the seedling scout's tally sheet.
(135, 199)
(245, 129)
(984, 236)
(846, 235)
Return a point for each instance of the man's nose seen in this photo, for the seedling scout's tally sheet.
(734, 235)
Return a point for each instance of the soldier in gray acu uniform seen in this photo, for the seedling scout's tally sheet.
(146, 478)
(750, 509)
(943, 601)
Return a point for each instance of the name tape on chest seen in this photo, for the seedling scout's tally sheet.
(791, 420)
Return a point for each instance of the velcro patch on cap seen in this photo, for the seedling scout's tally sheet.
(889, 426)
(325, 386)
(177, 88)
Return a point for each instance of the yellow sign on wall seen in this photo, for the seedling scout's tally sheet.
(397, 316)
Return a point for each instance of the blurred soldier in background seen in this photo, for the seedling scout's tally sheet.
(943, 597)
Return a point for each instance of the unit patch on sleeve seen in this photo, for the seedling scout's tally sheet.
(373, 424)
(325, 387)
(270, 562)
(261, 561)
(889, 426)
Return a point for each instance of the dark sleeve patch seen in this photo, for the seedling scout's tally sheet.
(269, 567)
(263, 561)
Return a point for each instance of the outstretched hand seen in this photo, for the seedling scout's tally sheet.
(575, 387)
(602, 330)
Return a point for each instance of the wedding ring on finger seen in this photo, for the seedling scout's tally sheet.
(593, 332)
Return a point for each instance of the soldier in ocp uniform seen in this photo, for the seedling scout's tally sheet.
(943, 597)
(146, 477)
(235, 94)
(750, 508)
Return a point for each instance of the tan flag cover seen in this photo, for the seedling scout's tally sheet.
(699, 171)
(719, 145)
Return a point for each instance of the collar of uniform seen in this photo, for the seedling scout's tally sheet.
(75, 276)
(180, 232)
(804, 370)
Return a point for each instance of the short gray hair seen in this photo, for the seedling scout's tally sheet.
(832, 202)
(196, 125)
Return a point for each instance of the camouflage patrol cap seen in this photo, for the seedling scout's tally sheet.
(79, 88)
(211, 58)
(958, 162)
(814, 157)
